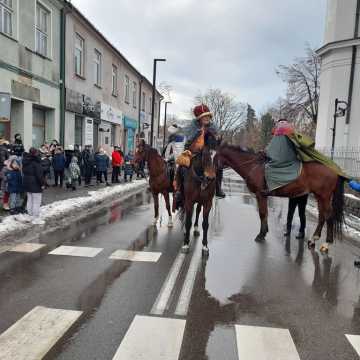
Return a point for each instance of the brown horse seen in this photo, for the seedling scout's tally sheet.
(159, 182)
(315, 178)
(199, 185)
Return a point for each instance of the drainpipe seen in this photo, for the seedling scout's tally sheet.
(353, 64)
(62, 73)
(140, 94)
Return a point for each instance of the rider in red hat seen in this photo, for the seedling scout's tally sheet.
(195, 141)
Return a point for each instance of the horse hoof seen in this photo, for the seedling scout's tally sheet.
(185, 249)
(205, 252)
(155, 221)
(324, 248)
(196, 232)
(170, 223)
(260, 238)
(315, 238)
(311, 244)
(357, 263)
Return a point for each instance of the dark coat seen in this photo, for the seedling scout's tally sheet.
(4, 154)
(102, 162)
(58, 162)
(129, 166)
(14, 181)
(68, 156)
(46, 164)
(33, 177)
(17, 148)
(88, 158)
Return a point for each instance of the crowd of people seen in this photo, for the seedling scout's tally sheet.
(25, 175)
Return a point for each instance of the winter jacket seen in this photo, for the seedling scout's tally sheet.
(33, 177)
(88, 158)
(117, 159)
(74, 169)
(68, 156)
(193, 131)
(102, 162)
(14, 181)
(46, 164)
(17, 149)
(4, 154)
(3, 177)
(58, 162)
(129, 167)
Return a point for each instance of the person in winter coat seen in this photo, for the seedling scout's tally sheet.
(77, 153)
(129, 166)
(69, 153)
(58, 163)
(88, 158)
(33, 183)
(4, 184)
(17, 148)
(117, 162)
(14, 186)
(45, 163)
(74, 172)
(102, 165)
(4, 154)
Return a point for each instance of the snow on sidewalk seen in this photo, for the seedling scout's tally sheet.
(64, 208)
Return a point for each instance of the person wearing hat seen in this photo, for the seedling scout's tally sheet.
(17, 148)
(195, 141)
(14, 186)
(116, 161)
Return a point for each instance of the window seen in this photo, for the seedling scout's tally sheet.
(97, 68)
(78, 130)
(6, 14)
(150, 105)
(143, 102)
(114, 80)
(134, 94)
(79, 55)
(42, 30)
(127, 89)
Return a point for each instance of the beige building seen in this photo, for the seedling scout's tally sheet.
(103, 90)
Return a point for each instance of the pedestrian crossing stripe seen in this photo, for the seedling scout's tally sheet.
(354, 340)
(80, 251)
(257, 343)
(152, 338)
(36, 333)
(129, 255)
(27, 247)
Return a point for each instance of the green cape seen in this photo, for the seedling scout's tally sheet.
(305, 147)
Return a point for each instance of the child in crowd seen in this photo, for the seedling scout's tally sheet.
(14, 186)
(74, 172)
(102, 164)
(129, 166)
(58, 163)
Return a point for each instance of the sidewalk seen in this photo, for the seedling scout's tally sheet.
(62, 205)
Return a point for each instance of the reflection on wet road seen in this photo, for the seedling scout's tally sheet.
(125, 291)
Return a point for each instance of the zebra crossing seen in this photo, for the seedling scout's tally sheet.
(38, 331)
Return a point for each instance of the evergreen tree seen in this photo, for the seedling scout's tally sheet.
(250, 118)
(267, 124)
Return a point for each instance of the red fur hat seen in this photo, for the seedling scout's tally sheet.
(201, 111)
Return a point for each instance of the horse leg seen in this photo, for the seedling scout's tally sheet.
(167, 202)
(196, 225)
(156, 208)
(189, 208)
(263, 213)
(205, 226)
(324, 248)
(321, 222)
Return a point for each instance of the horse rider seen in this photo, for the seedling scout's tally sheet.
(175, 145)
(195, 141)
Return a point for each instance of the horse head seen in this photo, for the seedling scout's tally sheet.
(141, 153)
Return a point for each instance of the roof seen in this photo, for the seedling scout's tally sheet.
(72, 7)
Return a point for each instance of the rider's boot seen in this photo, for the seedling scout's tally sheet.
(219, 192)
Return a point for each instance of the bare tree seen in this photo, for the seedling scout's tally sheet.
(303, 85)
(229, 115)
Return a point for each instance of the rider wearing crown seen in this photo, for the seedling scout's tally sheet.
(195, 141)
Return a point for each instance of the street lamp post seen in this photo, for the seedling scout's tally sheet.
(166, 103)
(339, 112)
(153, 101)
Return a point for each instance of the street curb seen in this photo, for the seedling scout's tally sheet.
(54, 214)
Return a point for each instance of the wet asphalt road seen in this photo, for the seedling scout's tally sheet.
(276, 284)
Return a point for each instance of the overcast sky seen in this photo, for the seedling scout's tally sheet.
(233, 45)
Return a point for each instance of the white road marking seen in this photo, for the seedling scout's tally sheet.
(354, 340)
(76, 251)
(27, 247)
(162, 302)
(152, 338)
(36, 333)
(188, 286)
(135, 255)
(260, 343)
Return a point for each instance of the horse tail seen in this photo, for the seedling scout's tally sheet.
(338, 205)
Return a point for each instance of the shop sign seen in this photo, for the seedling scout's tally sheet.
(89, 131)
(74, 101)
(111, 114)
(91, 108)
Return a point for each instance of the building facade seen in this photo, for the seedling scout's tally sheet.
(30, 69)
(102, 89)
(340, 75)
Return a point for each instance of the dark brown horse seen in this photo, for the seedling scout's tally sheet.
(199, 185)
(159, 181)
(315, 178)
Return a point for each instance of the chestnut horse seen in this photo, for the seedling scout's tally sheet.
(159, 181)
(315, 178)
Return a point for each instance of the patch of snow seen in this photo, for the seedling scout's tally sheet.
(60, 209)
(353, 197)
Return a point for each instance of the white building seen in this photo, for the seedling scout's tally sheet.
(340, 75)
